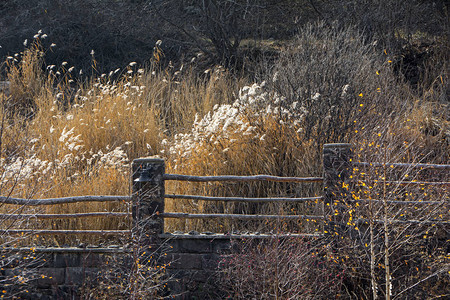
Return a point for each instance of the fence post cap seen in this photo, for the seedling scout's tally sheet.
(149, 159)
(337, 145)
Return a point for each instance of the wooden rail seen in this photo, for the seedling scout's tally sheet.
(50, 231)
(227, 235)
(67, 250)
(64, 200)
(179, 215)
(403, 165)
(64, 216)
(403, 202)
(242, 199)
(155, 177)
(395, 221)
(240, 178)
(403, 182)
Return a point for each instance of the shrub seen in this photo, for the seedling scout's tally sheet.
(281, 268)
(323, 86)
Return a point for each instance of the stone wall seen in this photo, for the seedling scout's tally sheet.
(193, 262)
(66, 273)
(55, 273)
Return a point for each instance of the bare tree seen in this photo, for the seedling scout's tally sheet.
(216, 27)
(397, 221)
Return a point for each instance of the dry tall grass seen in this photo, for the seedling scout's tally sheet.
(61, 138)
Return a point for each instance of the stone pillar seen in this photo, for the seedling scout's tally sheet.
(336, 173)
(148, 202)
(148, 199)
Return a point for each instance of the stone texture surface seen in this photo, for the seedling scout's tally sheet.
(50, 277)
(193, 264)
(61, 260)
(195, 246)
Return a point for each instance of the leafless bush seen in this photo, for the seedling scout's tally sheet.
(396, 224)
(335, 76)
(137, 275)
(281, 268)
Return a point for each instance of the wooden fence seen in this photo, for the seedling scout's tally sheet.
(148, 197)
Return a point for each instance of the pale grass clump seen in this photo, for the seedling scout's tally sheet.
(428, 125)
(254, 135)
(179, 95)
(82, 150)
(25, 80)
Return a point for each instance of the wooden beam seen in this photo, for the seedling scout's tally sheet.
(240, 178)
(179, 215)
(67, 250)
(403, 165)
(64, 200)
(88, 232)
(215, 236)
(242, 199)
(64, 216)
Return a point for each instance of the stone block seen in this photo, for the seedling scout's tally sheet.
(195, 245)
(172, 245)
(185, 261)
(42, 260)
(204, 276)
(221, 246)
(210, 261)
(91, 260)
(64, 260)
(50, 276)
(67, 292)
(186, 279)
(175, 288)
(79, 275)
(43, 294)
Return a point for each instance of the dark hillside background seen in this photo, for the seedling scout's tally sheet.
(226, 32)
